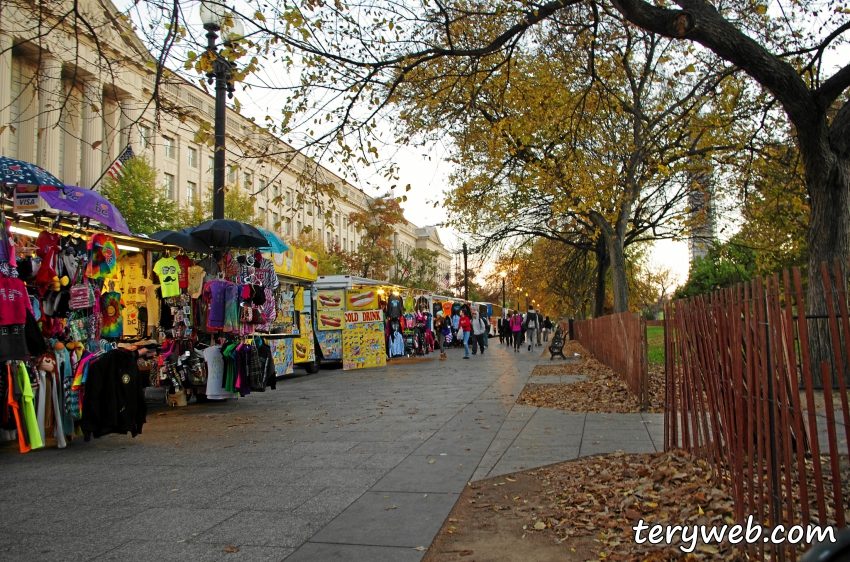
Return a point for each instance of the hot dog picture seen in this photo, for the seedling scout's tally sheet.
(362, 299)
(330, 300)
(312, 264)
(300, 350)
(331, 321)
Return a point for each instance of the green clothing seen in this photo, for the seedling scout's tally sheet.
(30, 418)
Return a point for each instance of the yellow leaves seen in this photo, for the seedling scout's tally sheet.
(258, 15)
(761, 9)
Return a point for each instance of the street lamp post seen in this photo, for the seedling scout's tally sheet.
(213, 16)
(526, 302)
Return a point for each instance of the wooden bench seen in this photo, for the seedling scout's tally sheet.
(556, 347)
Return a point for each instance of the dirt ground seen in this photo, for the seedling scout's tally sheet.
(601, 390)
(584, 510)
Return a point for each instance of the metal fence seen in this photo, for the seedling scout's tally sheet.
(741, 395)
(619, 341)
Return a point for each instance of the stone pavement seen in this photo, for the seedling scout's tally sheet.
(359, 465)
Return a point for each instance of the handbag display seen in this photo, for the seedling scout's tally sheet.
(82, 294)
(78, 326)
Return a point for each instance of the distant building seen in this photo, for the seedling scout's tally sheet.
(71, 108)
(702, 214)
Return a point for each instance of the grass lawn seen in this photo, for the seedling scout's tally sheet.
(655, 344)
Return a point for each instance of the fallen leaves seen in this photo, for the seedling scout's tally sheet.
(230, 549)
(602, 390)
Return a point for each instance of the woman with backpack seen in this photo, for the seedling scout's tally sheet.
(516, 330)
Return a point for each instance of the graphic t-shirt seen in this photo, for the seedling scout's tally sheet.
(104, 257)
(136, 292)
(110, 307)
(130, 318)
(196, 281)
(183, 275)
(168, 270)
(132, 277)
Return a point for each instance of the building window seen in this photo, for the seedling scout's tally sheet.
(344, 243)
(191, 190)
(232, 174)
(261, 188)
(192, 157)
(310, 209)
(263, 216)
(170, 148)
(352, 245)
(299, 228)
(248, 181)
(336, 239)
(288, 198)
(287, 226)
(330, 241)
(169, 185)
(144, 137)
(210, 164)
(275, 221)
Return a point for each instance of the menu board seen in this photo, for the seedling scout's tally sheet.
(303, 350)
(331, 344)
(330, 299)
(361, 299)
(363, 346)
(330, 321)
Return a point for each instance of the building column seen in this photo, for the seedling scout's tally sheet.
(28, 117)
(5, 93)
(111, 126)
(129, 118)
(49, 111)
(91, 159)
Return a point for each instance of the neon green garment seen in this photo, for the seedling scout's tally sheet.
(29, 409)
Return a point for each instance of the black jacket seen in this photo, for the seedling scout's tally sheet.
(114, 396)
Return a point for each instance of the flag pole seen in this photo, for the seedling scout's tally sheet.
(106, 171)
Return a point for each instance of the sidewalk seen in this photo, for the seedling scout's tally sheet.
(357, 465)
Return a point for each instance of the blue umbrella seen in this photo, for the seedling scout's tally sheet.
(276, 245)
(23, 173)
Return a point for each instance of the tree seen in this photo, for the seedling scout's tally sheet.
(238, 205)
(374, 255)
(138, 197)
(332, 261)
(725, 265)
(418, 269)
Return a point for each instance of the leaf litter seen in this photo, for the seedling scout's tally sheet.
(601, 390)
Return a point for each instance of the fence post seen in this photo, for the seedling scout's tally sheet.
(572, 337)
(644, 365)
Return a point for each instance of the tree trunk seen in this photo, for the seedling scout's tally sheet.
(617, 260)
(602, 263)
(829, 239)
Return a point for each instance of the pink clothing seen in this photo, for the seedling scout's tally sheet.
(14, 301)
(516, 323)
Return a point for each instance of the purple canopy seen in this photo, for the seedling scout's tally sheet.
(86, 203)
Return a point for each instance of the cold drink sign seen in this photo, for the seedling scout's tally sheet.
(363, 316)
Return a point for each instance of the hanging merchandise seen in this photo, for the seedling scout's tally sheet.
(167, 269)
(110, 306)
(103, 259)
(82, 294)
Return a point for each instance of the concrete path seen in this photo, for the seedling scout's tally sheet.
(362, 465)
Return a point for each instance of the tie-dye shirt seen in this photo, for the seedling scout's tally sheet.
(110, 306)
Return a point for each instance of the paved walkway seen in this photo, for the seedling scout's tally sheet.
(362, 465)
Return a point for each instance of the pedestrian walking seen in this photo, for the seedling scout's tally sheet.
(516, 330)
(504, 328)
(464, 329)
(539, 328)
(443, 327)
(479, 328)
(547, 327)
(531, 326)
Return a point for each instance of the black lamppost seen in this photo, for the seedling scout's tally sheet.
(214, 16)
(526, 302)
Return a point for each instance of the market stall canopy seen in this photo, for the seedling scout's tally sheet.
(228, 233)
(22, 173)
(275, 244)
(86, 203)
(183, 240)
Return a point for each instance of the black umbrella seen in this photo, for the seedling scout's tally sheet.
(183, 240)
(228, 233)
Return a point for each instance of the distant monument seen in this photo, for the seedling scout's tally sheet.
(702, 214)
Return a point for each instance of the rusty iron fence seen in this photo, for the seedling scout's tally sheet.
(741, 395)
(619, 341)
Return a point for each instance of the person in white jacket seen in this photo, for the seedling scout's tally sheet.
(479, 328)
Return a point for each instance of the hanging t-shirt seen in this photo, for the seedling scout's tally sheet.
(104, 257)
(183, 274)
(136, 292)
(110, 307)
(130, 319)
(132, 278)
(215, 293)
(14, 301)
(215, 374)
(447, 309)
(196, 281)
(152, 302)
(168, 270)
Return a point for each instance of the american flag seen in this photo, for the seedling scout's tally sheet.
(117, 167)
(446, 280)
(406, 270)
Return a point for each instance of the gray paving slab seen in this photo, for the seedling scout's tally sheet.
(445, 472)
(402, 519)
(313, 551)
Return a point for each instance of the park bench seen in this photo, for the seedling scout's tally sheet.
(556, 347)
